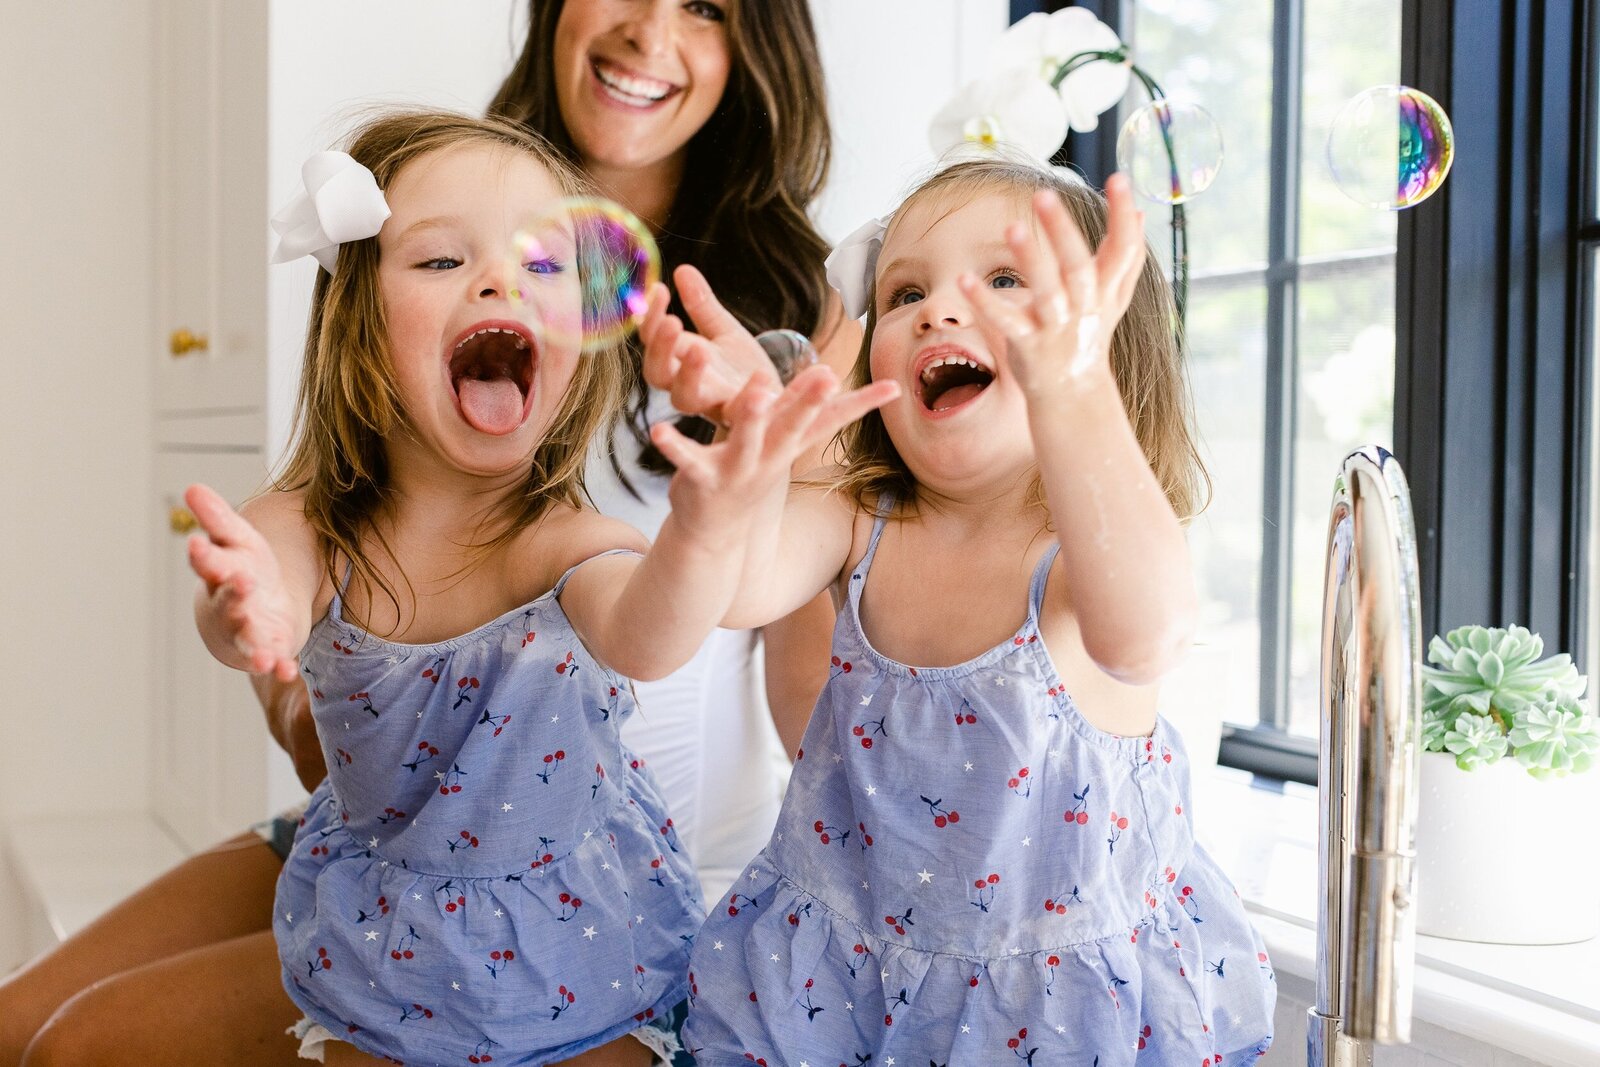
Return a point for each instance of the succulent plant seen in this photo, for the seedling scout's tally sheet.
(1486, 691)
(1555, 739)
(1475, 741)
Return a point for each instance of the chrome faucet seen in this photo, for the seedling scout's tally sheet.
(1367, 767)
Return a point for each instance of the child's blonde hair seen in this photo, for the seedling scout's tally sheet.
(348, 403)
(1146, 354)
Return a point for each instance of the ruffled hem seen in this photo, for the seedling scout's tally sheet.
(539, 959)
(787, 980)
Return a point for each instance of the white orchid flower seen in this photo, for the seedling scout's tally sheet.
(1044, 43)
(1012, 108)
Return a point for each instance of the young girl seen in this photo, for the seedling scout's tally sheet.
(985, 851)
(487, 875)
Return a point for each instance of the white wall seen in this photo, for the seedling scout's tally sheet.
(76, 344)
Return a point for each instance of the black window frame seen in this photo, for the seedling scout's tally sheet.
(1493, 320)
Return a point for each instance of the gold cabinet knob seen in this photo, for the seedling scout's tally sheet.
(183, 342)
(182, 520)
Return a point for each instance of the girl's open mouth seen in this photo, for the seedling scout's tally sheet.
(491, 371)
(951, 379)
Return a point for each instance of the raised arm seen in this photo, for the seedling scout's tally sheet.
(258, 580)
(646, 619)
(1124, 561)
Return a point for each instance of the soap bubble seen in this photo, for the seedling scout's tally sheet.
(1170, 152)
(616, 261)
(1390, 147)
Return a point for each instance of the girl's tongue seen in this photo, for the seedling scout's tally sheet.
(492, 407)
(492, 372)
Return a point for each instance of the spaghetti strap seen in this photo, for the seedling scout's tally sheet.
(1041, 574)
(858, 576)
(561, 582)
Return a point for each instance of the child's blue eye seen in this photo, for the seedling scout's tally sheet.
(901, 297)
(1004, 281)
(548, 265)
(440, 263)
(705, 10)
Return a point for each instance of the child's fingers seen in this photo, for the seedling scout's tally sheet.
(1123, 250)
(844, 408)
(687, 455)
(710, 317)
(1011, 319)
(1071, 252)
(797, 409)
(216, 517)
(214, 565)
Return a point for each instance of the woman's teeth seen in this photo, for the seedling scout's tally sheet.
(632, 90)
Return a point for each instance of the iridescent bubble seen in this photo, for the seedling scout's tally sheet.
(1171, 152)
(615, 259)
(1390, 147)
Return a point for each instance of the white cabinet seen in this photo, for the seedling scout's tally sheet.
(210, 751)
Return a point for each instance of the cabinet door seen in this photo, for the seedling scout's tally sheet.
(210, 746)
(211, 206)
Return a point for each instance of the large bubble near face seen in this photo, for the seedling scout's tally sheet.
(583, 269)
(1391, 147)
(1170, 152)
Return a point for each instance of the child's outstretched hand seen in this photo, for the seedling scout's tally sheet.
(720, 482)
(244, 586)
(1059, 333)
(704, 371)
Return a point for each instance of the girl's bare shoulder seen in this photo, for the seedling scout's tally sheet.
(566, 536)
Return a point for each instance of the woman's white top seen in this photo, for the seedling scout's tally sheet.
(704, 731)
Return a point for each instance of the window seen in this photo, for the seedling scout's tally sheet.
(1458, 335)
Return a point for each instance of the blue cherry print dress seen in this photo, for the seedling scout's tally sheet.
(965, 871)
(486, 875)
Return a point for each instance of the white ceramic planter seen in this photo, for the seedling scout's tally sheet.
(1505, 858)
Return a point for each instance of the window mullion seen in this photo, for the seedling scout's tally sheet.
(1283, 238)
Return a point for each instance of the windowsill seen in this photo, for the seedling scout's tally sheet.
(1539, 1001)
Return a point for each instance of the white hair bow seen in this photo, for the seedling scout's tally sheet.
(851, 265)
(339, 201)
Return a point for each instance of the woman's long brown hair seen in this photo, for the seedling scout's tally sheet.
(1146, 356)
(753, 170)
(348, 405)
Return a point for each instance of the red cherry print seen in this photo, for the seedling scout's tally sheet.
(1013, 1042)
(971, 718)
(1023, 773)
(1122, 824)
(565, 898)
(866, 742)
(1049, 904)
(1023, 1033)
(993, 879)
(1178, 810)
(859, 730)
(1083, 818)
(940, 821)
(955, 816)
(973, 981)
(395, 953)
(561, 753)
(1053, 961)
(817, 826)
(1061, 909)
(888, 1020)
(889, 919)
(1013, 782)
(408, 954)
(825, 839)
(752, 996)
(1016, 641)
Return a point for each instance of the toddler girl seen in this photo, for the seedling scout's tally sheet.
(486, 875)
(985, 851)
